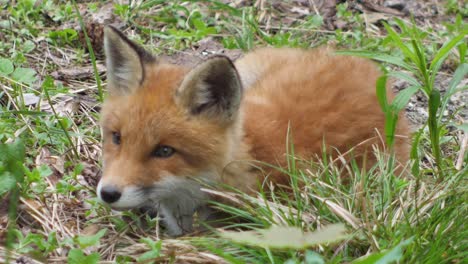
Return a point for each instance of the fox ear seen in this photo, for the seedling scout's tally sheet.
(212, 89)
(125, 62)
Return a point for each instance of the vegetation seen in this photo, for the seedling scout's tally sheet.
(51, 90)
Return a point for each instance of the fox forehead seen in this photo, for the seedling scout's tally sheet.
(151, 116)
(152, 101)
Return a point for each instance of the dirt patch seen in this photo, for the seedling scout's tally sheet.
(203, 50)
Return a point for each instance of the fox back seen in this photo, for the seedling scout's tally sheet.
(166, 128)
(317, 101)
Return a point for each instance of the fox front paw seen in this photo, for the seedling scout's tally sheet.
(176, 222)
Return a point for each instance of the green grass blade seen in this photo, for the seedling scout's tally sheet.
(25, 112)
(391, 116)
(444, 51)
(148, 4)
(49, 83)
(434, 103)
(421, 64)
(458, 76)
(462, 48)
(434, 131)
(91, 53)
(400, 44)
(218, 5)
(403, 97)
(396, 253)
(401, 75)
(386, 257)
(414, 154)
(391, 119)
(381, 91)
(379, 57)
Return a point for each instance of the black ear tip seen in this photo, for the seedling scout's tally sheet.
(224, 64)
(111, 27)
(221, 64)
(223, 60)
(112, 36)
(111, 30)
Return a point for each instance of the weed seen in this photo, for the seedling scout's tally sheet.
(415, 60)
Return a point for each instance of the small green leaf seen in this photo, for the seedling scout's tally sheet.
(7, 182)
(44, 171)
(444, 51)
(150, 255)
(403, 97)
(156, 245)
(154, 252)
(199, 24)
(420, 58)
(87, 241)
(315, 21)
(6, 66)
(312, 257)
(395, 254)
(371, 259)
(386, 257)
(463, 127)
(28, 46)
(76, 256)
(24, 75)
(12, 159)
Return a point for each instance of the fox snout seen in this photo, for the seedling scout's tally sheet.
(110, 194)
(121, 198)
(174, 199)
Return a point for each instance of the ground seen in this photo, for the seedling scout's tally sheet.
(52, 76)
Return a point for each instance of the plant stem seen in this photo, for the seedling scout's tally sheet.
(91, 53)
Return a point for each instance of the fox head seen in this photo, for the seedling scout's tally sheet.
(163, 124)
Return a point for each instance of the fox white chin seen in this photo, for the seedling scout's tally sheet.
(174, 199)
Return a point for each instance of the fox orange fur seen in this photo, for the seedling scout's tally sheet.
(167, 127)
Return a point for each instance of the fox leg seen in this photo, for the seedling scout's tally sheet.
(176, 221)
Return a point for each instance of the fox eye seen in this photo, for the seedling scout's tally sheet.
(162, 151)
(116, 138)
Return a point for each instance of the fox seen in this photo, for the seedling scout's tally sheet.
(169, 128)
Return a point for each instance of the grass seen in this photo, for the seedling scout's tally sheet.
(50, 152)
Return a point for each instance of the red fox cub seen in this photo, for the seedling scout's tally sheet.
(167, 127)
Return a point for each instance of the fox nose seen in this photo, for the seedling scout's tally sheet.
(110, 194)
